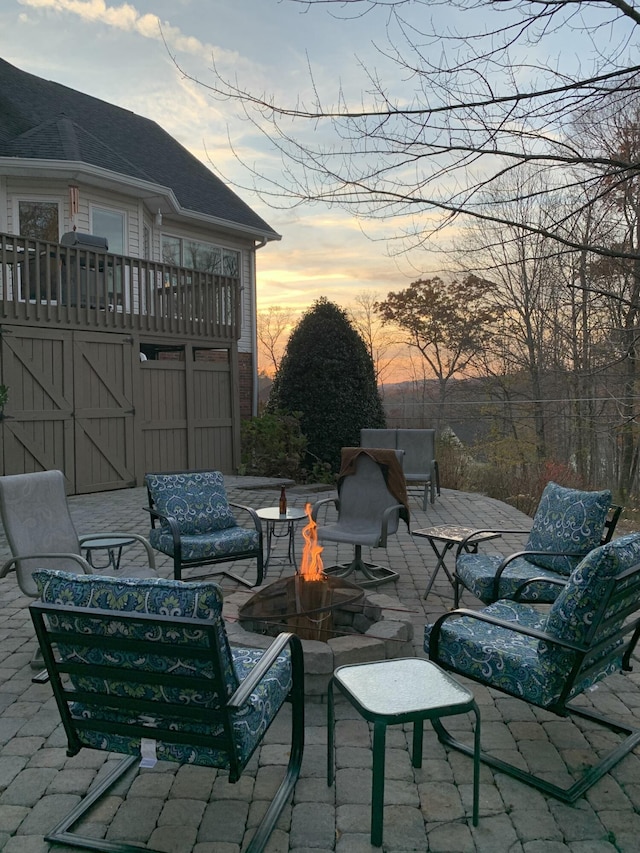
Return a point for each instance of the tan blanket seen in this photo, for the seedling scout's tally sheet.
(391, 471)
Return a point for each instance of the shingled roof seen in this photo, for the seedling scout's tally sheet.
(44, 120)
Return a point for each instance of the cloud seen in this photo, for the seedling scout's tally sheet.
(127, 18)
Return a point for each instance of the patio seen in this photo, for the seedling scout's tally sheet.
(195, 810)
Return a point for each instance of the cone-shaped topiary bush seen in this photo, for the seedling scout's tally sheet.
(327, 375)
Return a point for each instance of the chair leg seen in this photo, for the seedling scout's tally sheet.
(374, 575)
(37, 662)
(61, 834)
(268, 822)
(581, 785)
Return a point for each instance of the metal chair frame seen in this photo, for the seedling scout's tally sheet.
(470, 546)
(622, 600)
(135, 707)
(179, 562)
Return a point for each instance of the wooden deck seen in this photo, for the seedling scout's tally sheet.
(66, 287)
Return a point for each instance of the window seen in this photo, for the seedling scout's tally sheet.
(109, 224)
(198, 255)
(39, 219)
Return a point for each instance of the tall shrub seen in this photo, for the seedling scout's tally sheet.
(327, 375)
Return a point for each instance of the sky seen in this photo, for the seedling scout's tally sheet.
(124, 53)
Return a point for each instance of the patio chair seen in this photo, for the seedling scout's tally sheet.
(371, 500)
(41, 533)
(130, 679)
(419, 463)
(567, 525)
(197, 526)
(549, 659)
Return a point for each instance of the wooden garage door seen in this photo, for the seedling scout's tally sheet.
(186, 413)
(39, 432)
(104, 410)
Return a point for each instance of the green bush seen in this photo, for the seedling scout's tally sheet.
(273, 445)
(327, 375)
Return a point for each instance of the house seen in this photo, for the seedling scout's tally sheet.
(127, 290)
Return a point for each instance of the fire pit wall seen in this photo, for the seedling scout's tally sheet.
(382, 630)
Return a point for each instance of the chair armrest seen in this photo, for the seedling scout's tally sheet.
(124, 535)
(386, 517)
(242, 694)
(318, 504)
(503, 565)
(531, 581)
(254, 516)
(501, 623)
(172, 524)
(9, 564)
(468, 540)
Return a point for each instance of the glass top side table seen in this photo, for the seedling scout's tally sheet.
(442, 539)
(271, 516)
(113, 545)
(406, 690)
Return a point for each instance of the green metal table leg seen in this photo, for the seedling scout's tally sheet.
(476, 765)
(377, 786)
(330, 735)
(416, 755)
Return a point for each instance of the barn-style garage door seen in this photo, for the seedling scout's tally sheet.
(70, 406)
(104, 410)
(83, 403)
(186, 413)
(38, 432)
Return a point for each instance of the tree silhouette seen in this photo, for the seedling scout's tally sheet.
(463, 92)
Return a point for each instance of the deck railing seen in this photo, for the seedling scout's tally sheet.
(50, 284)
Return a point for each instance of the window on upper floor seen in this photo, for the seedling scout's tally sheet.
(39, 220)
(110, 224)
(198, 255)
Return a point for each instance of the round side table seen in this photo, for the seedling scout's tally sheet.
(113, 545)
(270, 515)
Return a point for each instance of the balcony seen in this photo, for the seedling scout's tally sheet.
(48, 284)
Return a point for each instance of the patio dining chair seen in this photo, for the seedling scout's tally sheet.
(568, 523)
(193, 522)
(143, 668)
(371, 500)
(550, 659)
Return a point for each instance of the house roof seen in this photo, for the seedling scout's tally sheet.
(43, 120)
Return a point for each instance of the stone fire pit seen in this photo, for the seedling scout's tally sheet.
(381, 630)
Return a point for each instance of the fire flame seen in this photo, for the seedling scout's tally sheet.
(311, 568)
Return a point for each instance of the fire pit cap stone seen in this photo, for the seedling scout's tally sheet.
(356, 648)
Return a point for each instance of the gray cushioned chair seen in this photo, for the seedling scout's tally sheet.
(419, 464)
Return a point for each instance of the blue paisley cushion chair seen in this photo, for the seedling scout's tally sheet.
(526, 666)
(224, 543)
(195, 600)
(567, 520)
(477, 572)
(196, 500)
